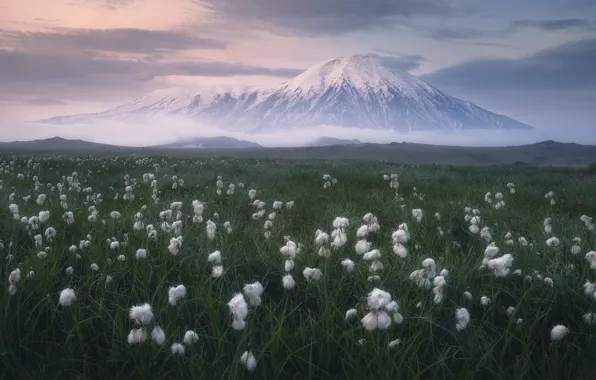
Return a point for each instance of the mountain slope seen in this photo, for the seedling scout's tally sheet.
(53, 143)
(352, 91)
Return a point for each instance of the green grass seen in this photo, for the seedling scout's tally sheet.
(299, 334)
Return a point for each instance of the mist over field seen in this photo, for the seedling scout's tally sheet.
(163, 129)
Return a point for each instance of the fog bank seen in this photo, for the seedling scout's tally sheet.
(159, 130)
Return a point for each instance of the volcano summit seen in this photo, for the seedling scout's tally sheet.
(357, 91)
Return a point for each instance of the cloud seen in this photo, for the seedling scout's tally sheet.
(151, 132)
(564, 67)
(552, 24)
(329, 17)
(456, 33)
(24, 73)
(127, 40)
(114, 4)
(404, 62)
(44, 101)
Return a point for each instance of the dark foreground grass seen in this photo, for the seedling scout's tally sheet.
(298, 334)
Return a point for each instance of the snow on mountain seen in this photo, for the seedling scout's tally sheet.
(353, 91)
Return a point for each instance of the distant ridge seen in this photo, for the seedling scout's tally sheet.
(546, 153)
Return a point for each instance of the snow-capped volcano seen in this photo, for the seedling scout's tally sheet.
(352, 91)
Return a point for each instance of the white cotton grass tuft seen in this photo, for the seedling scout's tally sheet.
(348, 264)
(351, 313)
(239, 311)
(253, 292)
(214, 257)
(142, 314)
(589, 318)
(417, 214)
(210, 228)
(158, 335)
(137, 336)
(590, 257)
(67, 297)
(485, 301)
(175, 245)
(249, 360)
(288, 282)
(553, 241)
(190, 337)
(439, 283)
(141, 254)
(312, 274)
(500, 266)
(177, 349)
(175, 294)
(462, 318)
(380, 304)
(400, 238)
(558, 332)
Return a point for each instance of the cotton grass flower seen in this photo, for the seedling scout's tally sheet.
(210, 228)
(589, 318)
(462, 319)
(253, 292)
(137, 336)
(348, 264)
(417, 214)
(175, 294)
(351, 313)
(141, 254)
(239, 311)
(591, 259)
(217, 271)
(288, 282)
(501, 266)
(379, 304)
(552, 242)
(439, 289)
(312, 274)
(376, 320)
(190, 337)
(175, 245)
(67, 297)
(158, 335)
(249, 360)
(362, 246)
(558, 332)
(177, 349)
(214, 257)
(142, 314)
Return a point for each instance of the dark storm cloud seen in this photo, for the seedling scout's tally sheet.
(554, 24)
(329, 17)
(567, 66)
(113, 40)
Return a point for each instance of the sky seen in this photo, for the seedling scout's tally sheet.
(531, 60)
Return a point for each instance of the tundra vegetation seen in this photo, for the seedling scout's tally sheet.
(161, 268)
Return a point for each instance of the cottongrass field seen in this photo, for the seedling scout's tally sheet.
(155, 268)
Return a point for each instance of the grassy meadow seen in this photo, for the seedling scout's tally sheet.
(71, 276)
